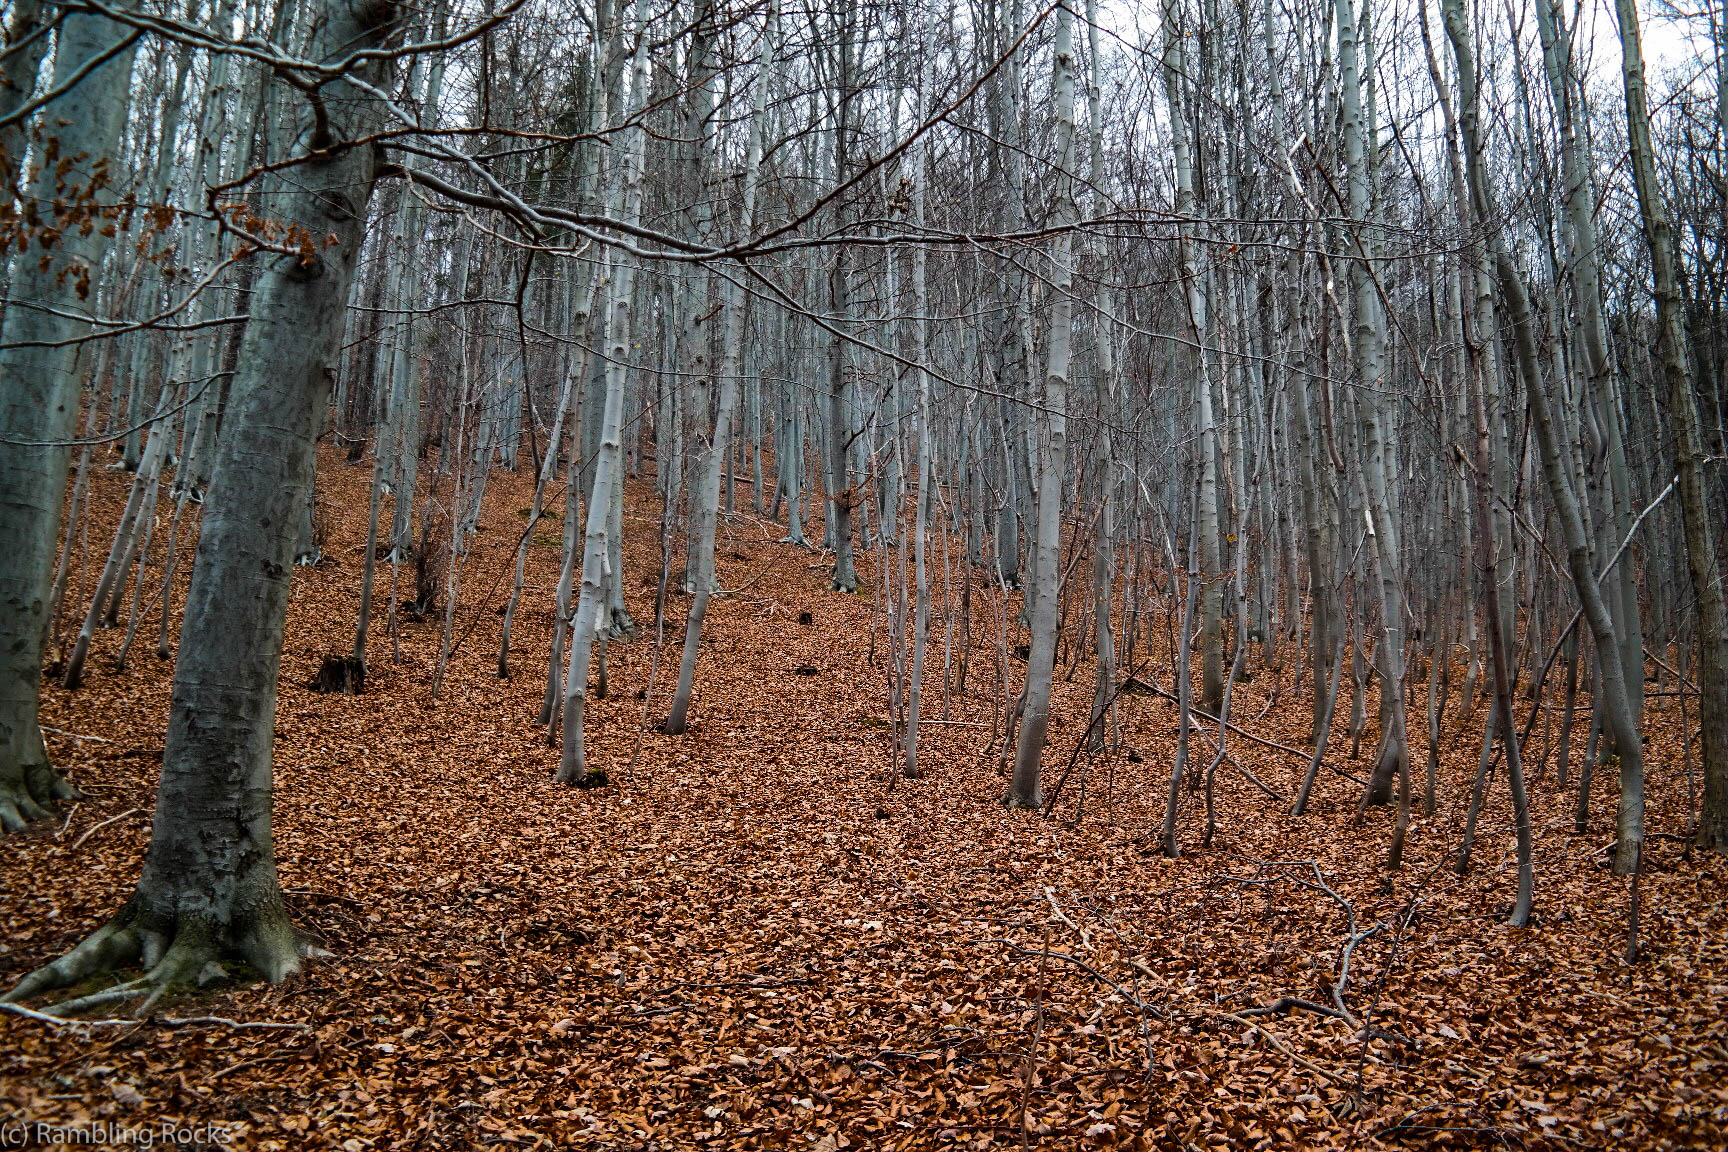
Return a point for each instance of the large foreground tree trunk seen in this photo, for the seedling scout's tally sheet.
(1379, 466)
(1620, 586)
(209, 889)
(39, 378)
(1175, 69)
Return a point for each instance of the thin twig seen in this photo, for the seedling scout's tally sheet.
(1037, 1036)
(1046, 954)
(1085, 936)
(95, 828)
(1285, 1004)
(74, 735)
(1272, 1039)
(1247, 735)
(164, 1021)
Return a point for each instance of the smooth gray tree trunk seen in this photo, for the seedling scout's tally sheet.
(573, 767)
(40, 376)
(706, 503)
(1026, 790)
(1689, 447)
(1615, 698)
(209, 889)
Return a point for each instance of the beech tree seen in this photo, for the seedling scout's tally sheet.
(44, 353)
(1052, 446)
(209, 892)
(1244, 363)
(1703, 565)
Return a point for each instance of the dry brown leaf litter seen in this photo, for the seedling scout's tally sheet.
(757, 939)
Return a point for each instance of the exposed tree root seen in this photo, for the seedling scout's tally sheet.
(28, 792)
(623, 625)
(174, 951)
(1379, 790)
(130, 990)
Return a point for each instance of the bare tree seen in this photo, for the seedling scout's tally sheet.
(209, 888)
(42, 366)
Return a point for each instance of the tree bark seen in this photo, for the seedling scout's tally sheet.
(1175, 70)
(209, 889)
(1616, 703)
(1689, 446)
(706, 504)
(39, 391)
(1026, 790)
(573, 767)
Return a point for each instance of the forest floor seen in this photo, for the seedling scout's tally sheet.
(759, 937)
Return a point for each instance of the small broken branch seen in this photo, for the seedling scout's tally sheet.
(164, 1021)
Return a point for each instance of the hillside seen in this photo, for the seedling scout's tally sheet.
(758, 936)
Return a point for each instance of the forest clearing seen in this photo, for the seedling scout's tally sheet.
(863, 574)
